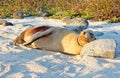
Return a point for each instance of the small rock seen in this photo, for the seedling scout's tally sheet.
(66, 19)
(100, 48)
(2, 21)
(76, 24)
(76, 29)
(18, 15)
(42, 14)
(42, 10)
(7, 24)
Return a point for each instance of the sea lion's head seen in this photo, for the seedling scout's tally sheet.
(85, 37)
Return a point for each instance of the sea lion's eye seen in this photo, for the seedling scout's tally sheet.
(84, 33)
(91, 34)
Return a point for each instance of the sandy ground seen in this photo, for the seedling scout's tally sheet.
(18, 62)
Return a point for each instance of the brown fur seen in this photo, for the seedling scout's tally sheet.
(60, 39)
(27, 36)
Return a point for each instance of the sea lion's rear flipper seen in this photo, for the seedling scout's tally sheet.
(41, 33)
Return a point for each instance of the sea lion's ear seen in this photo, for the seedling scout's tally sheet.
(83, 33)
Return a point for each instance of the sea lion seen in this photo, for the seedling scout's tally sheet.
(54, 39)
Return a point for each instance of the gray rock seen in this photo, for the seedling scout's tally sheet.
(2, 21)
(44, 14)
(100, 48)
(7, 24)
(76, 29)
(76, 24)
(66, 19)
(18, 15)
(42, 10)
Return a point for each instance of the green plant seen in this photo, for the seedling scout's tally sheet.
(113, 20)
(89, 9)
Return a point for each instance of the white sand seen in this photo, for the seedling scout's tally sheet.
(17, 62)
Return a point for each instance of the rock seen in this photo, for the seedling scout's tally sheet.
(2, 21)
(42, 14)
(76, 24)
(41, 8)
(7, 24)
(76, 29)
(66, 19)
(18, 15)
(42, 11)
(100, 48)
